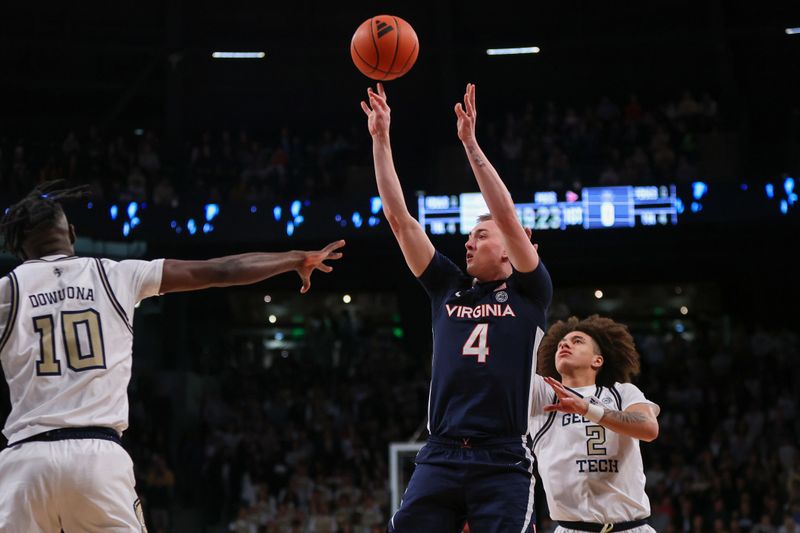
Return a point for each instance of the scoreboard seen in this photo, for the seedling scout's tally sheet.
(592, 208)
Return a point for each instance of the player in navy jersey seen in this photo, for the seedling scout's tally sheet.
(487, 323)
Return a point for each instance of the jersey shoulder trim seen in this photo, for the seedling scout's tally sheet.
(573, 391)
(112, 298)
(547, 425)
(12, 313)
(617, 396)
(51, 260)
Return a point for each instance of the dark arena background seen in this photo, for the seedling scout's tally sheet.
(654, 147)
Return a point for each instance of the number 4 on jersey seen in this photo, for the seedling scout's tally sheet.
(477, 343)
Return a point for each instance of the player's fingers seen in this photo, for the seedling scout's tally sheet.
(382, 102)
(471, 93)
(459, 110)
(564, 393)
(333, 246)
(334, 255)
(380, 95)
(306, 284)
(377, 103)
(555, 383)
(550, 408)
(365, 107)
(561, 395)
(325, 268)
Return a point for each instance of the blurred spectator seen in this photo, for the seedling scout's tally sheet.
(553, 147)
(159, 487)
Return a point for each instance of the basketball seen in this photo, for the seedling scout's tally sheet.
(384, 47)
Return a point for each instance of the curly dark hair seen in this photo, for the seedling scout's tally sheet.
(621, 361)
(39, 209)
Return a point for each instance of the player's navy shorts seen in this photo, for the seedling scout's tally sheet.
(486, 484)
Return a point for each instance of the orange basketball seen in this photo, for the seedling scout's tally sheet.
(384, 47)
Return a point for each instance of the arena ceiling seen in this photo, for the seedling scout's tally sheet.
(131, 59)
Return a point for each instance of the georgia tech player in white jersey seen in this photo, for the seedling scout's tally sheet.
(586, 428)
(65, 347)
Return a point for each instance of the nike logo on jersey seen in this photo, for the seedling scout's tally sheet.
(67, 293)
(479, 311)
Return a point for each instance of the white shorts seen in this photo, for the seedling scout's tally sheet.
(78, 485)
(640, 529)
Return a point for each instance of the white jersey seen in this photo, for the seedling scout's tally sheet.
(590, 473)
(66, 337)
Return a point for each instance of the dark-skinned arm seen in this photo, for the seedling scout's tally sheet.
(245, 269)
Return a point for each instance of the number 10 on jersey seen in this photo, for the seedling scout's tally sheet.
(477, 343)
(82, 332)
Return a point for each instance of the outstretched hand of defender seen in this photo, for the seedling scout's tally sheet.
(568, 401)
(315, 261)
(466, 115)
(378, 111)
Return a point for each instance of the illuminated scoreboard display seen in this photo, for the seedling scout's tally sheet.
(592, 208)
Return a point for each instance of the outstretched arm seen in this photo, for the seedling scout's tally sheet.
(245, 269)
(521, 252)
(414, 243)
(637, 421)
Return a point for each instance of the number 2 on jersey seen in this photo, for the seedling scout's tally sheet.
(597, 437)
(477, 343)
(73, 323)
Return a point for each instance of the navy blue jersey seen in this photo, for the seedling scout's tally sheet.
(485, 338)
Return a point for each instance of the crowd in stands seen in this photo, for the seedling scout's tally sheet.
(303, 446)
(537, 147)
(727, 456)
(607, 144)
(132, 167)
